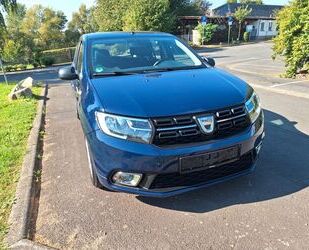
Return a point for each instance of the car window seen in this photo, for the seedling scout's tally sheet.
(143, 53)
(80, 59)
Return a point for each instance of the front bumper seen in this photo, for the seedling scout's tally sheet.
(111, 155)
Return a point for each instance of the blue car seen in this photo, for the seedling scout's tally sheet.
(159, 119)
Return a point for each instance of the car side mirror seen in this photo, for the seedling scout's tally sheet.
(67, 73)
(210, 61)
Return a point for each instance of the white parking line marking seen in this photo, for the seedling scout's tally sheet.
(287, 83)
(281, 91)
(226, 62)
(267, 67)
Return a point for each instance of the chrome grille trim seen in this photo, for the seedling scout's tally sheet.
(184, 129)
(231, 118)
(176, 128)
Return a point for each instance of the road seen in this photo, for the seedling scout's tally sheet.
(47, 75)
(265, 210)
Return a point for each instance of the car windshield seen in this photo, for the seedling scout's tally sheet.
(140, 54)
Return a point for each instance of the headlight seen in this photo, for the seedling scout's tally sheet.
(253, 107)
(138, 130)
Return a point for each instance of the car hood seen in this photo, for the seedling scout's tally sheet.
(170, 93)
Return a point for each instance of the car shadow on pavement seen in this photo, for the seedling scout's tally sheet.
(283, 169)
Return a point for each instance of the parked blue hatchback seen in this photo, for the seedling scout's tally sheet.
(158, 119)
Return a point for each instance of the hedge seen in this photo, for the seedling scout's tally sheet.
(58, 56)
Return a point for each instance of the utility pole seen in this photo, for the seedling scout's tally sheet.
(230, 23)
(204, 22)
(4, 75)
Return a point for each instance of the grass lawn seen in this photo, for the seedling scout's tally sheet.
(15, 123)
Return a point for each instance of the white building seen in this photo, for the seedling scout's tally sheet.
(261, 22)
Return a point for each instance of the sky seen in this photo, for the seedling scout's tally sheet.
(70, 6)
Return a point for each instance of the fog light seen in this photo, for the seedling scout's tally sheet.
(127, 179)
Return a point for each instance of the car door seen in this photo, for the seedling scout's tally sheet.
(78, 65)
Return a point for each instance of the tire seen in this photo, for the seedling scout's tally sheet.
(93, 172)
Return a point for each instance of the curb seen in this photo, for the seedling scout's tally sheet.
(19, 219)
(215, 46)
(54, 67)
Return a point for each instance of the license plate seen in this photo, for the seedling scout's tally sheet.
(208, 160)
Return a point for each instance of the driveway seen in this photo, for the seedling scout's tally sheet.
(268, 209)
(254, 64)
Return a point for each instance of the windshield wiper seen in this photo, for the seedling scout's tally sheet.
(115, 73)
(158, 70)
(171, 69)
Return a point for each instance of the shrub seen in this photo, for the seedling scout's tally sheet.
(64, 55)
(47, 60)
(16, 67)
(292, 41)
(206, 32)
(246, 36)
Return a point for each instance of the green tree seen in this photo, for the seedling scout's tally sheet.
(109, 14)
(51, 28)
(292, 41)
(44, 27)
(240, 14)
(231, 1)
(204, 6)
(149, 16)
(11, 51)
(83, 21)
(15, 39)
(6, 5)
(14, 19)
(71, 37)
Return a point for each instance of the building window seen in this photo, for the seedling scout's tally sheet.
(270, 26)
(262, 26)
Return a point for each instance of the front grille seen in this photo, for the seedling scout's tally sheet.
(184, 129)
(205, 176)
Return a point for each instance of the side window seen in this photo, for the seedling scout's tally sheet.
(270, 26)
(79, 62)
(262, 26)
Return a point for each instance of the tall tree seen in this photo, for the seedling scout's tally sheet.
(17, 44)
(6, 5)
(83, 21)
(44, 26)
(109, 14)
(146, 15)
(14, 19)
(203, 6)
(240, 14)
(292, 41)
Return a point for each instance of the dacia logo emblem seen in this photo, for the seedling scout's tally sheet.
(206, 123)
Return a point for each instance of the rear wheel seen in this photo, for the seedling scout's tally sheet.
(93, 171)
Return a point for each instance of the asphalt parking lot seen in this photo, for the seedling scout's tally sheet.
(266, 210)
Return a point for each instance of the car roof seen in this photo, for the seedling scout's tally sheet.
(121, 34)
